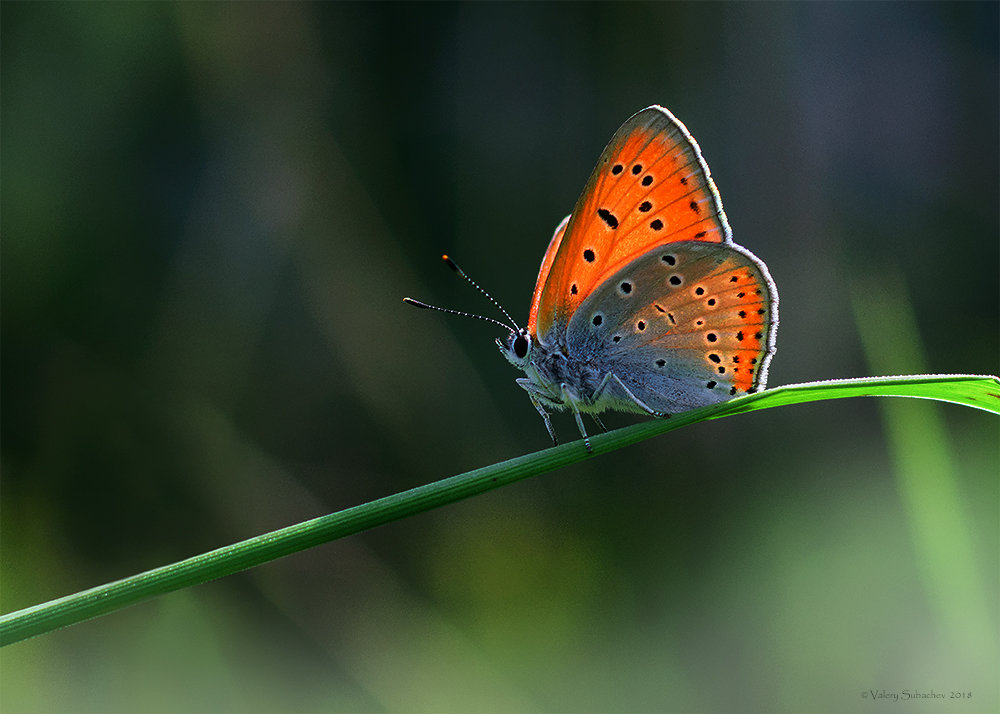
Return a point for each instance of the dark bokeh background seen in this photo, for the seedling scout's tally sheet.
(210, 213)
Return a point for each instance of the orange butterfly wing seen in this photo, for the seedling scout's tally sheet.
(543, 270)
(651, 186)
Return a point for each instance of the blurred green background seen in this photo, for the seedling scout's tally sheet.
(210, 213)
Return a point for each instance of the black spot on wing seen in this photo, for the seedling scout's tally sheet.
(608, 217)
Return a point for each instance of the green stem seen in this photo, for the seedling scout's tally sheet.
(981, 392)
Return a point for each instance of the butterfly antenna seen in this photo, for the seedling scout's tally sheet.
(454, 266)
(425, 306)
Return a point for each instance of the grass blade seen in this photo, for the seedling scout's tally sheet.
(982, 392)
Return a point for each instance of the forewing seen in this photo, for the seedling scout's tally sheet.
(650, 187)
(543, 271)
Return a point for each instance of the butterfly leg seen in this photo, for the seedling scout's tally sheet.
(599, 422)
(536, 395)
(571, 401)
(611, 377)
(546, 419)
(583, 432)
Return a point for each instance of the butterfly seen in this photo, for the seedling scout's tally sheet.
(643, 302)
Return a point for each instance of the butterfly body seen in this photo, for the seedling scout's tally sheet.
(643, 302)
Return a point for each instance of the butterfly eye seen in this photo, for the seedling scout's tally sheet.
(520, 346)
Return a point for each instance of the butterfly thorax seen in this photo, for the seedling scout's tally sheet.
(560, 380)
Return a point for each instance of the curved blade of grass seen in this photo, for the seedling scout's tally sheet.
(982, 392)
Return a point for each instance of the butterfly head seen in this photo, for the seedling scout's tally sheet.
(517, 348)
